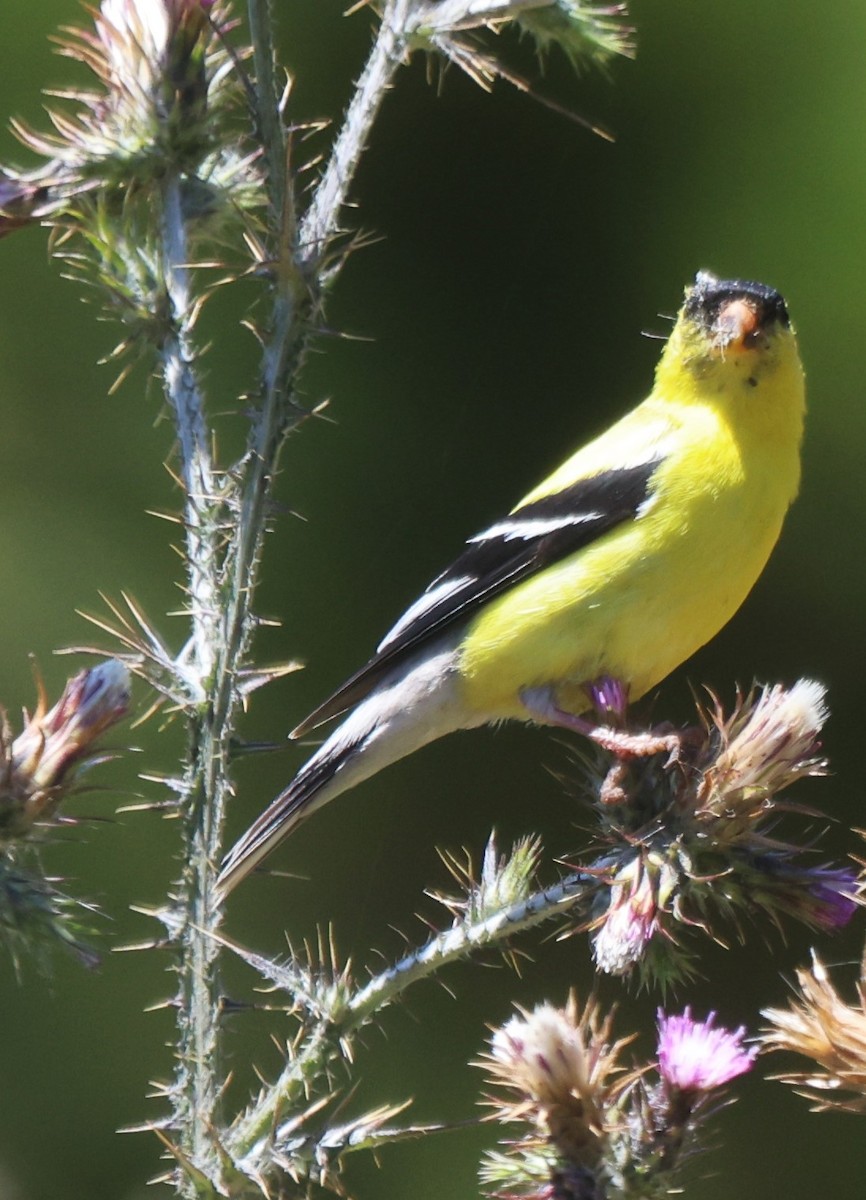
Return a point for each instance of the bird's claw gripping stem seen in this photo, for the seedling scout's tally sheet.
(541, 705)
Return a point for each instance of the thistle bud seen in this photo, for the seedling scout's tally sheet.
(37, 768)
(160, 71)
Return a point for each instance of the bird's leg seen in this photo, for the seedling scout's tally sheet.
(609, 697)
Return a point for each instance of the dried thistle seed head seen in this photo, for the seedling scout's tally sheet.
(151, 54)
(160, 70)
(561, 1071)
(37, 768)
(819, 1025)
(769, 742)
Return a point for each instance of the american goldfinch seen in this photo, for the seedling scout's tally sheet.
(615, 569)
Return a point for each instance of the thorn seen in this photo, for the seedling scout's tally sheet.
(134, 947)
(172, 518)
(162, 1005)
(242, 749)
(229, 1006)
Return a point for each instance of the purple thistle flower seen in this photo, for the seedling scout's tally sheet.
(823, 897)
(697, 1056)
(833, 891)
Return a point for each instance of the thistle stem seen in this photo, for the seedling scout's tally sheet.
(197, 1081)
(321, 222)
(221, 592)
(250, 1136)
(267, 100)
(184, 396)
(222, 586)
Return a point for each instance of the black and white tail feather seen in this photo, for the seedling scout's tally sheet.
(418, 705)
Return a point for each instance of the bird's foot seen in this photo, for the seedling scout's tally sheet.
(624, 745)
(610, 697)
(613, 789)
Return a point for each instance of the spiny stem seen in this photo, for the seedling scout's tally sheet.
(182, 392)
(221, 632)
(267, 114)
(283, 346)
(198, 1076)
(221, 592)
(321, 222)
(297, 277)
(252, 1132)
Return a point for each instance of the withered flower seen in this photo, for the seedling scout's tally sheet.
(819, 1025)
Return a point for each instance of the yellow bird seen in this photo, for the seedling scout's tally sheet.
(615, 569)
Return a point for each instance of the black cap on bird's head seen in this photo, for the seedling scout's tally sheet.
(735, 312)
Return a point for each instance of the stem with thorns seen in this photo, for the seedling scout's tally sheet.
(321, 222)
(251, 1134)
(266, 99)
(296, 266)
(197, 1080)
(222, 585)
(182, 391)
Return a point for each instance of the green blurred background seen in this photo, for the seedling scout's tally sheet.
(498, 323)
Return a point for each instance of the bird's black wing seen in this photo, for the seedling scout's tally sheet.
(531, 538)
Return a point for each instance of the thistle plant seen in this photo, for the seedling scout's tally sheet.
(595, 1126)
(179, 171)
(695, 839)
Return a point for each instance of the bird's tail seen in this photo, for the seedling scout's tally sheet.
(392, 722)
(328, 773)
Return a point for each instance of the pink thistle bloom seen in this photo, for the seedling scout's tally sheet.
(697, 1056)
(631, 920)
